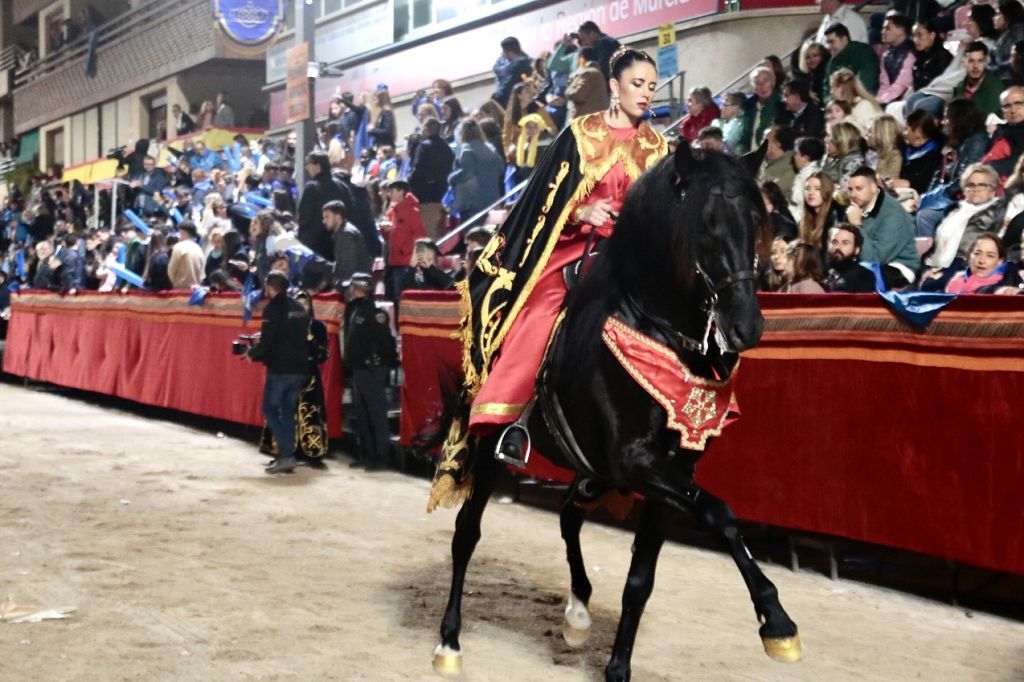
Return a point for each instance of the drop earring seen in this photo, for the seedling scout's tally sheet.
(614, 108)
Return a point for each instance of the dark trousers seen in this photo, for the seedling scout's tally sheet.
(280, 404)
(371, 411)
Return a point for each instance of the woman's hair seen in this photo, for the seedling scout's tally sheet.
(965, 119)
(444, 86)
(776, 65)
(266, 221)
(493, 111)
(455, 107)
(925, 123)
(209, 200)
(383, 98)
(984, 17)
(812, 226)
(433, 113)
(848, 80)
(515, 109)
(774, 280)
(701, 95)
(885, 131)
(157, 243)
(625, 57)
(777, 198)
(470, 132)
(845, 136)
(991, 236)
(808, 49)
(988, 171)
(492, 133)
(806, 261)
(1012, 11)
(842, 104)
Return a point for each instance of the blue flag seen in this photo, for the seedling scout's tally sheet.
(176, 215)
(19, 263)
(198, 296)
(258, 199)
(138, 222)
(918, 308)
(250, 297)
(128, 276)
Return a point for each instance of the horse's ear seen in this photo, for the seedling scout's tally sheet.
(685, 161)
(753, 160)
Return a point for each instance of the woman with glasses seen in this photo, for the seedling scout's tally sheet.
(979, 212)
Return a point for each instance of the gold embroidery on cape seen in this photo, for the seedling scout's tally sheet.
(700, 406)
(499, 409)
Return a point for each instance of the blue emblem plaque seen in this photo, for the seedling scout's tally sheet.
(249, 22)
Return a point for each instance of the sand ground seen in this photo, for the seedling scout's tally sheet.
(186, 562)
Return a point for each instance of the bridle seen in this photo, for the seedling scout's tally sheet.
(708, 307)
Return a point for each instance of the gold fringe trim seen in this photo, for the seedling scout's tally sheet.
(447, 493)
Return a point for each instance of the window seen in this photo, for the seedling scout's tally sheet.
(55, 148)
(331, 6)
(401, 19)
(156, 113)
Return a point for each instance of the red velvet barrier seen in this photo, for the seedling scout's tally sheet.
(853, 424)
(154, 349)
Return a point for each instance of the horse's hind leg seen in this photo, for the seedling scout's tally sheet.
(778, 632)
(576, 623)
(448, 654)
(650, 536)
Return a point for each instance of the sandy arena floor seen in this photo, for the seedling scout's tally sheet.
(186, 562)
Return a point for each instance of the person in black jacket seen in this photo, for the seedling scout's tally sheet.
(318, 191)
(424, 273)
(368, 352)
(284, 349)
(808, 119)
(930, 56)
(428, 178)
(845, 273)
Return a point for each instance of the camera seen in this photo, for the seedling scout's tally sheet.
(243, 343)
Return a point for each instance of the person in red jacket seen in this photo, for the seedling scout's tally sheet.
(702, 112)
(401, 229)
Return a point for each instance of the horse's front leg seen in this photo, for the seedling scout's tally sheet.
(650, 536)
(448, 654)
(673, 484)
(577, 621)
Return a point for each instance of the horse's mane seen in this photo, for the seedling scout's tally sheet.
(652, 249)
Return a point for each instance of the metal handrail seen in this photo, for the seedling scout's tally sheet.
(471, 222)
(106, 33)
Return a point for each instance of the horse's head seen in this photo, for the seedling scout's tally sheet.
(722, 244)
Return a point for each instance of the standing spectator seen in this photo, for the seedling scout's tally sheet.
(845, 273)
(207, 112)
(591, 36)
(72, 270)
(451, 110)
(151, 181)
(157, 258)
(428, 179)
(318, 191)
(284, 349)
(224, 115)
(352, 116)
(479, 173)
(888, 229)
(807, 156)
(807, 119)
(931, 58)
(701, 112)
(404, 225)
(979, 86)
(896, 75)
(423, 272)
(350, 255)
(513, 67)
(778, 160)
(522, 103)
(856, 56)
(587, 90)
(384, 131)
(183, 123)
(761, 111)
(369, 352)
(186, 266)
(838, 12)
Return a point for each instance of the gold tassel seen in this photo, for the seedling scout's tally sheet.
(447, 493)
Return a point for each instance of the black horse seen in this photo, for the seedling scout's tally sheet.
(679, 269)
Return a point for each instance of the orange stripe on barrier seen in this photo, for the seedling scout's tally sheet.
(943, 360)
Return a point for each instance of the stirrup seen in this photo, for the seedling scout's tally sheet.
(510, 452)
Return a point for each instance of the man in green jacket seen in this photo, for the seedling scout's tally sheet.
(887, 228)
(979, 84)
(761, 111)
(848, 54)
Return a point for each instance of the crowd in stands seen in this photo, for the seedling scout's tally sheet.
(892, 150)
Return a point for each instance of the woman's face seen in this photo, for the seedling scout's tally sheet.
(694, 106)
(841, 92)
(922, 37)
(973, 29)
(335, 110)
(978, 189)
(999, 20)
(830, 146)
(779, 255)
(525, 96)
(985, 258)
(834, 113)
(635, 88)
(812, 193)
(813, 60)
(218, 241)
(446, 112)
(914, 136)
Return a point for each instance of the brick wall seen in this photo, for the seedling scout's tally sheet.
(149, 54)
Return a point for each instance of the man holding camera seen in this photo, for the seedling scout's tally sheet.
(283, 348)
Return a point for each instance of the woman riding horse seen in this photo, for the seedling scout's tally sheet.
(571, 202)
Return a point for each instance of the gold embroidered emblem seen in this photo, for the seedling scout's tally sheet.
(700, 406)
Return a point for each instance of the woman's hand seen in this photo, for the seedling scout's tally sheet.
(596, 214)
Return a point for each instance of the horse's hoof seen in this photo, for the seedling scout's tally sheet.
(785, 649)
(447, 661)
(577, 622)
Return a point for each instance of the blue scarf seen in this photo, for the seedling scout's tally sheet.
(914, 153)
